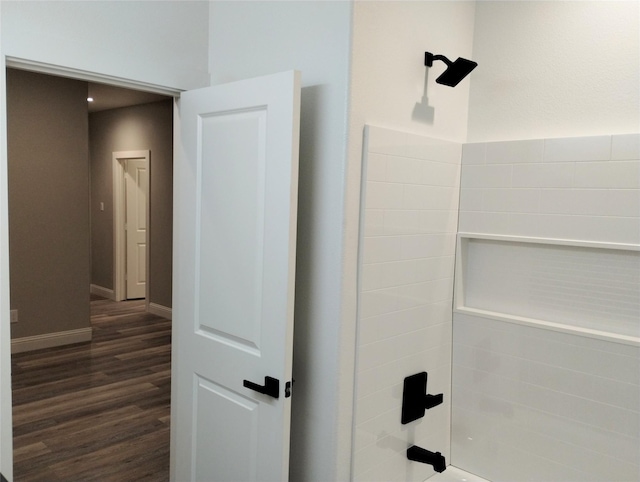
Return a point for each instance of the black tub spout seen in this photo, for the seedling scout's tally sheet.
(436, 459)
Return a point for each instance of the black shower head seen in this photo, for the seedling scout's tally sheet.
(456, 71)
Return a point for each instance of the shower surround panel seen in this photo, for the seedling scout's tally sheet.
(529, 402)
(409, 222)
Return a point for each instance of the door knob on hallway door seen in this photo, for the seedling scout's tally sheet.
(271, 386)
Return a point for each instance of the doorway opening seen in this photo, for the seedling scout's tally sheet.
(130, 224)
(66, 252)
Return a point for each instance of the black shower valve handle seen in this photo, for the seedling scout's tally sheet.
(431, 401)
(415, 399)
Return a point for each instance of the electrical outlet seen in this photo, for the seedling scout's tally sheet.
(14, 316)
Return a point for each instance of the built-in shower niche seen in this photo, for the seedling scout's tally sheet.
(590, 288)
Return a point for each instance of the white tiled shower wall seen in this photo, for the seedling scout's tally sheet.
(583, 188)
(409, 213)
(530, 403)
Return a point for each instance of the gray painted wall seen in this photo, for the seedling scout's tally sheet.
(148, 126)
(48, 171)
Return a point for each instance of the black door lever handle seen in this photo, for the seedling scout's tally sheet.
(271, 386)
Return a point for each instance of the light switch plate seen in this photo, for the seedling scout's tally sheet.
(14, 316)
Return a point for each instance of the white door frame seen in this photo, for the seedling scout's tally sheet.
(6, 441)
(119, 217)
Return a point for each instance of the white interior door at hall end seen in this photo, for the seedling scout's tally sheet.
(235, 213)
(136, 175)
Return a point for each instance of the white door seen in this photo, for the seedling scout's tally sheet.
(136, 180)
(235, 210)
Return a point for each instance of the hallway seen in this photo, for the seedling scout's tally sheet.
(99, 410)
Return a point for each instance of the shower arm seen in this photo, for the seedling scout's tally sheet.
(429, 58)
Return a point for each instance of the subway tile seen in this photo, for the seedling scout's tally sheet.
(362, 439)
(406, 321)
(430, 197)
(471, 199)
(386, 141)
(382, 248)
(440, 174)
(398, 273)
(471, 222)
(407, 344)
(556, 226)
(623, 203)
(410, 296)
(383, 195)
(439, 221)
(524, 200)
(474, 153)
(514, 152)
(415, 247)
(608, 175)
(366, 382)
(426, 148)
(374, 222)
(619, 394)
(559, 379)
(624, 448)
(511, 200)
(402, 221)
(374, 355)
(372, 277)
(495, 223)
(625, 147)
(368, 329)
(428, 245)
(570, 149)
(376, 167)
(618, 230)
(404, 170)
(546, 175)
(621, 368)
(483, 176)
(592, 202)
(496, 200)
(378, 302)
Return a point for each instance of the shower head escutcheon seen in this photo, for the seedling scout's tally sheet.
(456, 70)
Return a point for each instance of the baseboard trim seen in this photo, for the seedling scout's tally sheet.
(104, 292)
(159, 310)
(49, 340)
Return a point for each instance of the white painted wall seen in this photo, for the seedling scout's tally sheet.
(388, 72)
(249, 39)
(158, 42)
(555, 69)
(6, 426)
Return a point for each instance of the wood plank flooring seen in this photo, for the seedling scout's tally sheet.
(99, 410)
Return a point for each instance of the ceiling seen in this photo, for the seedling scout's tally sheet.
(110, 97)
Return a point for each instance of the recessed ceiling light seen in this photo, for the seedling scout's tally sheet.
(89, 99)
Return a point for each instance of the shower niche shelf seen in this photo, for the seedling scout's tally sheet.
(528, 281)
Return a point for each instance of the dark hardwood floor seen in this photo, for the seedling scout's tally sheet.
(99, 410)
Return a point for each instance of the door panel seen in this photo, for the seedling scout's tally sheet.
(136, 193)
(236, 178)
(220, 411)
(227, 193)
